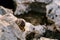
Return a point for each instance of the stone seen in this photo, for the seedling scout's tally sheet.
(46, 1)
(9, 29)
(22, 6)
(4, 11)
(43, 38)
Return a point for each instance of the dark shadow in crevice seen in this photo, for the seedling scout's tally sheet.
(52, 35)
(8, 4)
(38, 12)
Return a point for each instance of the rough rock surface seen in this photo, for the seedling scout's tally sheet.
(43, 38)
(53, 12)
(9, 30)
(22, 5)
(37, 20)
